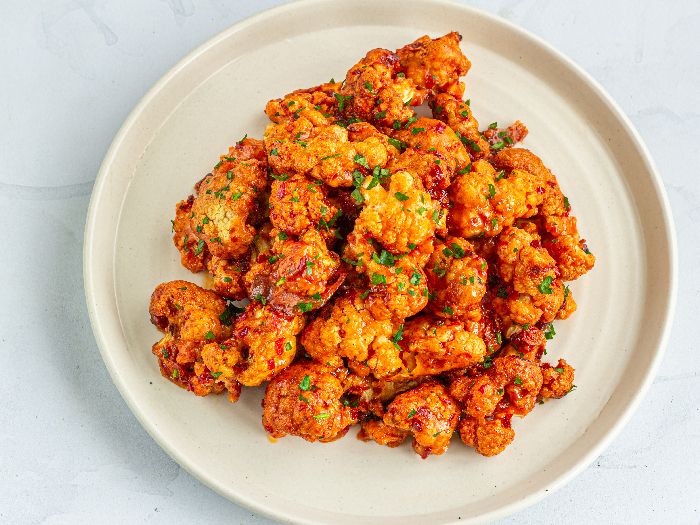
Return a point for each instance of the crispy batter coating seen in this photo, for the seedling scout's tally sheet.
(435, 65)
(304, 400)
(320, 98)
(375, 91)
(190, 317)
(458, 116)
(499, 138)
(322, 150)
(432, 345)
(219, 214)
(486, 202)
(299, 203)
(347, 329)
(263, 343)
(456, 277)
(535, 292)
(556, 381)
(297, 276)
(400, 217)
(396, 285)
(430, 413)
(488, 437)
(383, 434)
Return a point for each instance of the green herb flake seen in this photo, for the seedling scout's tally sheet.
(411, 414)
(401, 197)
(378, 278)
(210, 335)
(545, 286)
(322, 416)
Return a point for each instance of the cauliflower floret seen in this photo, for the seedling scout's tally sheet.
(500, 138)
(297, 275)
(321, 98)
(347, 329)
(535, 292)
(396, 285)
(382, 434)
(435, 65)
(430, 413)
(486, 202)
(458, 116)
(263, 343)
(304, 400)
(456, 277)
(190, 317)
(400, 218)
(433, 345)
(322, 151)
(374, 92)
(556, 381)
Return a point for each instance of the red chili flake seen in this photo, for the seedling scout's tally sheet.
(536, 244)
(440, 127)
(482, 388)
(539, 190)
(552, 183)
(271, 364)
(506, 420)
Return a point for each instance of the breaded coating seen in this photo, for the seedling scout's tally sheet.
(347, 329)
(456, 278)
(486, 202)
(263, 343)
(535, 292)
(435, 65)
(376, 91)
(225, 200)
(564, 244)
(556, 381)
(297, 276)
(228, 276)
(430, 413)
(499, 138)
(488, 437)
(186, 238)
(321, 98)
(397, 285)
(190, 317)
(528, 343)
(383, 434)
(300, 202)
(434, 153)
(432, 345)
(458, 116)
(322, 150)
(304, 400)
(401, 217)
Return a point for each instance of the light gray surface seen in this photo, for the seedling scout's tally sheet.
(70, 449)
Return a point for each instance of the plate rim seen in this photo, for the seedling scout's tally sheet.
(90, 275)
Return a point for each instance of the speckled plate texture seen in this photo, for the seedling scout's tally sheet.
(215, 95)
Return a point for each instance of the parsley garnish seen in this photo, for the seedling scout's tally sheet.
(544, 286)
(401, 197)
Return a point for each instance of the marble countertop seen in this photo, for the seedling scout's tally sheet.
(72, 70)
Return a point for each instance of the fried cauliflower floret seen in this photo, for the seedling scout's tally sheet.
(490, 400)
(190, 317)
(319, 98)
(532, 273)
(564, 244)
(297, 275)
(499, 138)
(226, 199)
(430, 413)
(435, 65)
(527, 343)
(458, 116)
(263, 343)
(434, 153)
(396, 285)
(432, 345)
(228, 275)
(186, 239)
(383, 434)
(456, 278)
(486, 202)
(400, 217)
(488, 437)
(556, 381)
(374, 92)
(524, 160)
(299, 203)
(347, 329)
(322, 151)
(304, 401)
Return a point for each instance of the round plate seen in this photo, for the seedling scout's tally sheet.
(215, 95)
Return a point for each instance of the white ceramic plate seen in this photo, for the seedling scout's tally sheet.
(215, 95)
